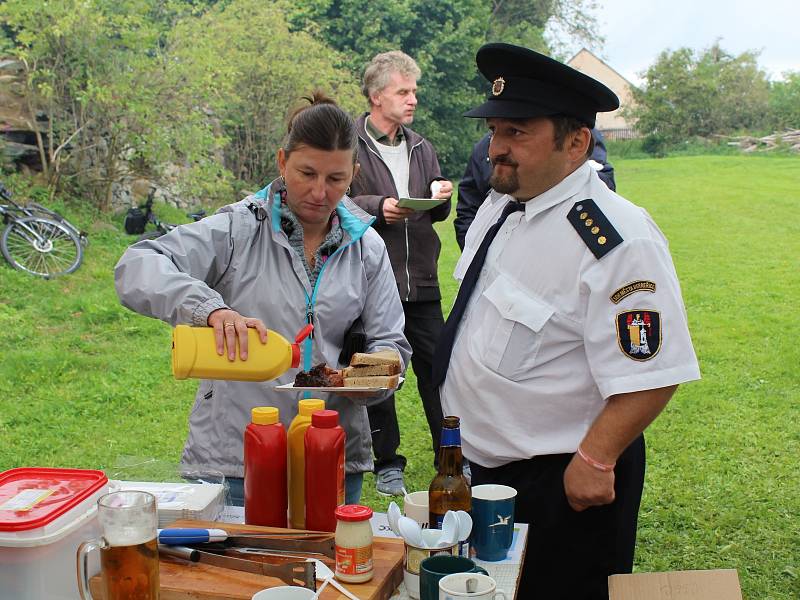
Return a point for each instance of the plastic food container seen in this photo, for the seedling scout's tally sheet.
(44, 515)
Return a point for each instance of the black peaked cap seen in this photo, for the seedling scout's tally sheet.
(528, 84)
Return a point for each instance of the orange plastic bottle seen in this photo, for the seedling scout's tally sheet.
(265, 469)
(297, 460)
(194, 354)
(324, 470)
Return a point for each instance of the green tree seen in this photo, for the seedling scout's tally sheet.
(784, 102)
(525, 22)
(443, 37)
(687, 95)
(247, 71)
(95, 69)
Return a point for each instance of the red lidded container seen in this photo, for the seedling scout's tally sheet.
(45, 514)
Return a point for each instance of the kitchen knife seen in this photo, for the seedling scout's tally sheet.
(180, 536)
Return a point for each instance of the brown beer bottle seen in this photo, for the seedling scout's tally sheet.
(449, 489)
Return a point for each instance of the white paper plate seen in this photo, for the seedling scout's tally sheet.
(290, 387)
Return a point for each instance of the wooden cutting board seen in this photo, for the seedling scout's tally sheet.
(181, 580)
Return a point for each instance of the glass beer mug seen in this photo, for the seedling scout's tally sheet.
(128, 548)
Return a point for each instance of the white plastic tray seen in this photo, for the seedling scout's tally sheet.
(290, 387)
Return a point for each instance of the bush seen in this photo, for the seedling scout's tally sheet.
(655, 145)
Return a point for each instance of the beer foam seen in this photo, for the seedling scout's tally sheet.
(128, 536)
(127, 527)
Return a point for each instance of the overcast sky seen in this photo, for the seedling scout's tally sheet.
(636, 31)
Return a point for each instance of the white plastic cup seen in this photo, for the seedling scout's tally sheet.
(415, 506)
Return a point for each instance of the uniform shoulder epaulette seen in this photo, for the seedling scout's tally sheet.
(593, 226)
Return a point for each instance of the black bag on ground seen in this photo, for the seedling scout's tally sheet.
(135, 221)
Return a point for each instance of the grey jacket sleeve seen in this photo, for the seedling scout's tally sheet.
(171, 277)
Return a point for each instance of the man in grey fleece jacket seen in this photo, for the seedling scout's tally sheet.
(396, 162)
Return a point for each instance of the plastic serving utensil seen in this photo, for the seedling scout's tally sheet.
(411, 531)
(393, 515)
(431, 537)
(325, 574)
(450, 528)
(464, 525)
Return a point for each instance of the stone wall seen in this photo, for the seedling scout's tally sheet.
(18, 149)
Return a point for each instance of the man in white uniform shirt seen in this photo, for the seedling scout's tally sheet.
(536, 356)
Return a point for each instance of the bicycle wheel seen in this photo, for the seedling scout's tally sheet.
(42, 211)
(57, 252)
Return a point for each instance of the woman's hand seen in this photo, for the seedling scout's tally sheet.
(228, 325)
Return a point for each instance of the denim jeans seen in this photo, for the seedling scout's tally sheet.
(352, 489)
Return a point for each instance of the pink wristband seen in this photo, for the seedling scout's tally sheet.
(595, 464)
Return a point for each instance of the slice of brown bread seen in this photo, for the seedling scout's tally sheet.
(376, 381)
(369, 370)
(382, 357)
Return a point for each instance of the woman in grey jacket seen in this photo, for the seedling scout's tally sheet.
(298, 251)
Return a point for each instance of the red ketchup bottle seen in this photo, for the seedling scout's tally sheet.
(265, 499)
(324, 446)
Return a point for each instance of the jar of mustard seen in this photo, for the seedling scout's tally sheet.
(353, 543)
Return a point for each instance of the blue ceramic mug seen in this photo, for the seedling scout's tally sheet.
(492, 520)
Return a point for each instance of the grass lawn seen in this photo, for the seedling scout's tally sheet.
(84, 382)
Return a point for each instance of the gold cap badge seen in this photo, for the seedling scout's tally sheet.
(498, 86)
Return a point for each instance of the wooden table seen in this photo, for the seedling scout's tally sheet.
(181, 580)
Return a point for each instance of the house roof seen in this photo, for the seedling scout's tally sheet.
(600, 60)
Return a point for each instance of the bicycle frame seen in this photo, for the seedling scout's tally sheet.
(9, 217)
(33, 209)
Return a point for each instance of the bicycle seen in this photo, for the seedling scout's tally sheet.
(38, 240)
(137, 219)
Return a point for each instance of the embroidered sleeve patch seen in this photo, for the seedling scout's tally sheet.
(639, 333)
(631, 288)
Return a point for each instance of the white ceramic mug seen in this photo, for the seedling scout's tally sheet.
(415, 506)
(454, 587)
(284, 592)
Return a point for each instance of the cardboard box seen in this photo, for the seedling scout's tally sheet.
(718, 584)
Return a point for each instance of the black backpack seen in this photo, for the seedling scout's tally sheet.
(135, 221)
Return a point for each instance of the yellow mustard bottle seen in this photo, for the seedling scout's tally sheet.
(297, 460)
(194, 354)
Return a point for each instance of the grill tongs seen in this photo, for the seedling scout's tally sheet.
(216, 544)
(302, 573)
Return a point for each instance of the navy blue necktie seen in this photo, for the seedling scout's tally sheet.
(444, 348)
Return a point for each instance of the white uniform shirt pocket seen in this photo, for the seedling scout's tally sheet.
(513, 329)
